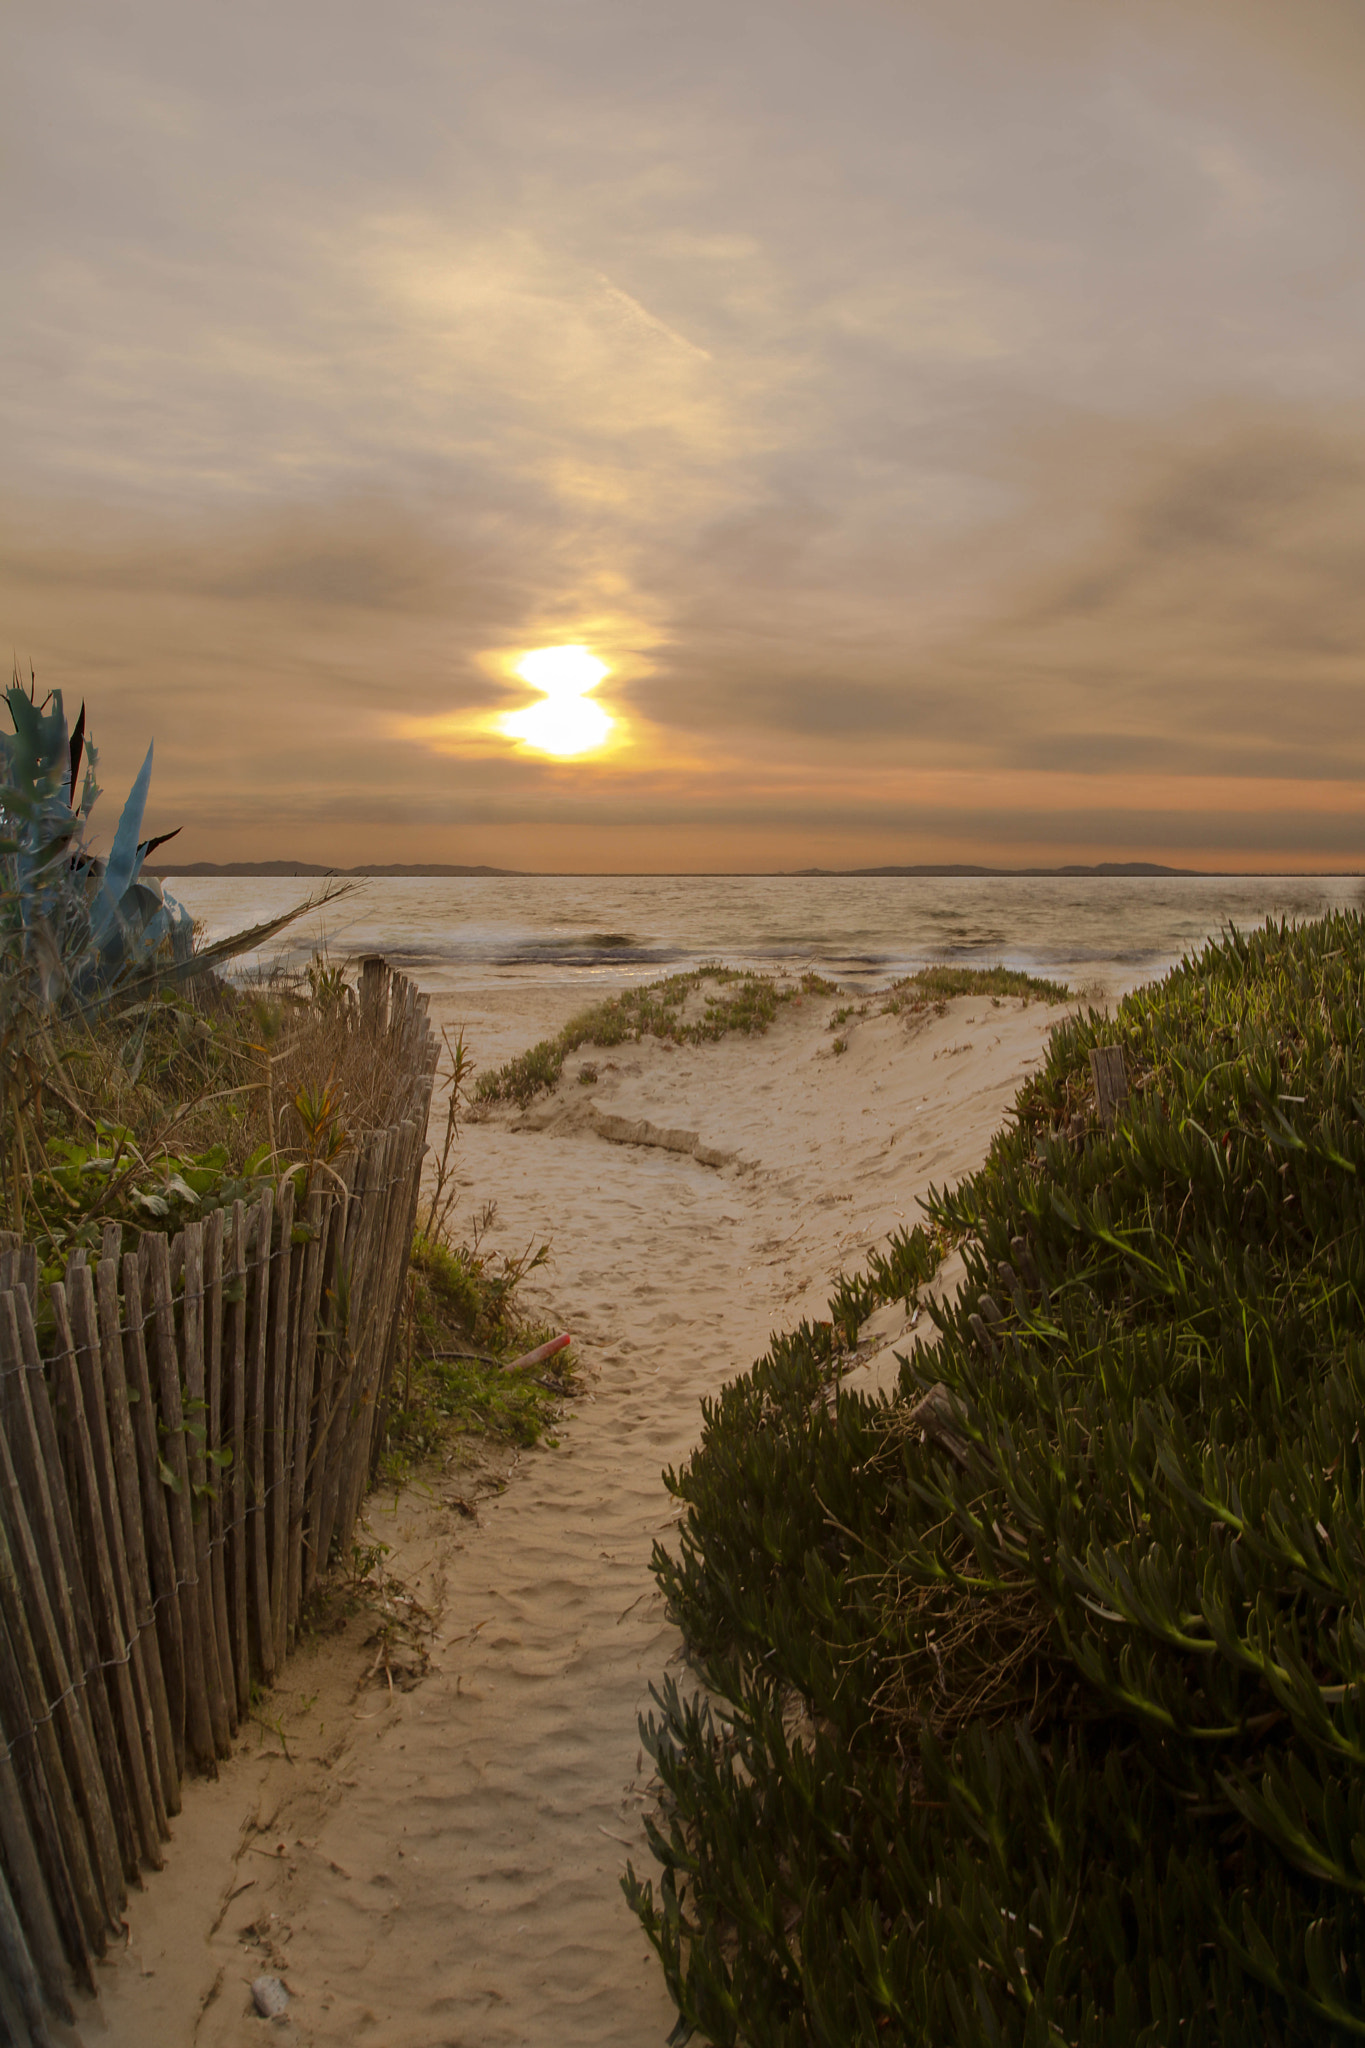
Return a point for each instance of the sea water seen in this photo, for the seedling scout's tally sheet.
(454, 935)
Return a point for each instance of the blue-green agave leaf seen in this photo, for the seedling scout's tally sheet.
(123, 863)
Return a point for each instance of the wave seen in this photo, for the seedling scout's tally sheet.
(606, 929)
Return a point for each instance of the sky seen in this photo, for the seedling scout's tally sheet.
(942, 420)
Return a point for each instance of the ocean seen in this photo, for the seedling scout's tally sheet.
(457, 935)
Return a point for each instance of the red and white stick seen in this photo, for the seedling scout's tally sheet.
(540, 1354)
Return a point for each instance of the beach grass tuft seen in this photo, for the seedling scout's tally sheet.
(939, 984)
(152, 1114)
(731, 999)
(1036, 1696)
(462, 1322)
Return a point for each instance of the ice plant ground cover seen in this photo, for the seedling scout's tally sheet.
(1055, 1734)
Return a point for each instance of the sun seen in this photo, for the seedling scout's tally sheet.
(564, 722)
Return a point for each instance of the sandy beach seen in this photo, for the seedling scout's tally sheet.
(440, 1864)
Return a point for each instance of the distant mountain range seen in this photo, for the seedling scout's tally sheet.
(306, 868)
(1102, 868)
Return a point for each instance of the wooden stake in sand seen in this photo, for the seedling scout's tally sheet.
(317, 1215)
(179, 1505)
(257, 1533)
(214, 1232)
(195, 1439)
(278, 1415)
(143, 1616)
(1111, 1081)
(234, 1430)
(156, 1518)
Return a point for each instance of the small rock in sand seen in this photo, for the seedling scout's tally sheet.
(269, 1997)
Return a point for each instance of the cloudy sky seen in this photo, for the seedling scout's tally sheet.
(945, 419)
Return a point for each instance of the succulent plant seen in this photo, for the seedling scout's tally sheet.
(1036, 1702)
(73, 926)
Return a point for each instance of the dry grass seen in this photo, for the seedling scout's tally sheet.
(186, 1099)
(950, 1652)
(235, 1068)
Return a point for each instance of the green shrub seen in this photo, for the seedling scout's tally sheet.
(1060, 1738)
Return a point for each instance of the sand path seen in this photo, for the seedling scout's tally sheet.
(441, 1866)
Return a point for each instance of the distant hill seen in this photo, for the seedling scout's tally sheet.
(1106, 869)
(1109, 868)
(305, 868)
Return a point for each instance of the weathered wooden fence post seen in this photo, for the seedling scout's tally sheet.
(178, 1459)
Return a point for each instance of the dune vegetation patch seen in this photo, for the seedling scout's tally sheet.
(1037, 1695)
(707, 1003)
(463, 1324)
(695, 1008)
(139, 1090)
(936, 986)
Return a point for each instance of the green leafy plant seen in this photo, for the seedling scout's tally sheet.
(325, 1137)
(1035, 1694)
(70, 925)
(74, 923)
(463, 1322)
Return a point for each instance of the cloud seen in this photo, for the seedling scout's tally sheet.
(1202, 627)
(1213, 586)
(879, 398)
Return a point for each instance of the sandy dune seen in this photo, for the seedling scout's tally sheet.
(440, 1866)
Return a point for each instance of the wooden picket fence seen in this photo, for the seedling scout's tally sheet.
(182, 1449)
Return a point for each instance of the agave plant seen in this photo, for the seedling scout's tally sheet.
(79, 935)
(72, 926)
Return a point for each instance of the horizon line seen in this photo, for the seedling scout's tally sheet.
(284, 870)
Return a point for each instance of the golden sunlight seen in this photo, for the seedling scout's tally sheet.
(564, 722)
